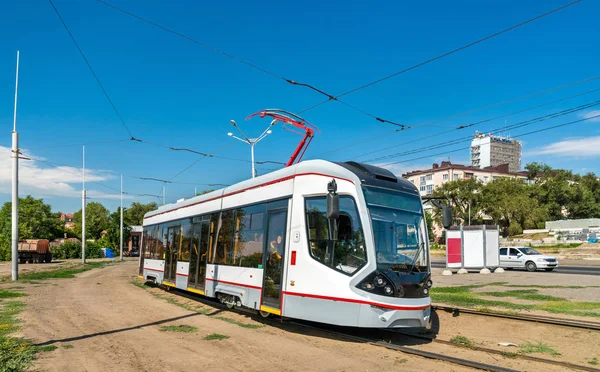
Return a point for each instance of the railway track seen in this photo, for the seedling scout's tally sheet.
(526, 318)
(351, 334)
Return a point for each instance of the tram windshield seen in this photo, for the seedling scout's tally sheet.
(399, 230)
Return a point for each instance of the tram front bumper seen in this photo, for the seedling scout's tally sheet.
(379, 317)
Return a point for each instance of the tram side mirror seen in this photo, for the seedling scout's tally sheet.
(446, 216)
(333, 206)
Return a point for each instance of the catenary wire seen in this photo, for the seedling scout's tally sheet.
(470, 111)
(453, 51)
(517, 136)
(87, 62)
(512, 126)
(485, 121)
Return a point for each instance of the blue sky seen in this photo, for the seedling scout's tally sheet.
(176, 93)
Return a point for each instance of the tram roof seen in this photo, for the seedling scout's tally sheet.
(356, 172)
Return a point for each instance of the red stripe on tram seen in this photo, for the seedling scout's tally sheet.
(362, 302)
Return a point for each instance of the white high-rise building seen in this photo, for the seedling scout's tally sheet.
(488, 150)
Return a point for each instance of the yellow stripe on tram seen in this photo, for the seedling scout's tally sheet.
(270, 310)
(168, 284)
(141, 277)
(195, 291)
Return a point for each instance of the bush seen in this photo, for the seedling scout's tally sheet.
(73, 250)
(437, 247)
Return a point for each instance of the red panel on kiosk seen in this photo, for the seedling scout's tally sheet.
(454, 254)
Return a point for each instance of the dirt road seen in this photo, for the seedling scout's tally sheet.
(102, 322)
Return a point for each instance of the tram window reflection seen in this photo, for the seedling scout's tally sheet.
(347, 253)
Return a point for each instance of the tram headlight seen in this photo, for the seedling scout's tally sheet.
(368, 286)
(388, 290)
(429, 284)
(425, 291)
(379, 281)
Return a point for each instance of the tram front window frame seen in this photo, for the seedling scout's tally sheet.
(398, 221)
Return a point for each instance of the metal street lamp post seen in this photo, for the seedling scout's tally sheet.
(251, 141)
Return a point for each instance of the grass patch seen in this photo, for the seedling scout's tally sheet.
(215, 336)
(67, 272)
(559, 246)
(45, 348)
(401, 361)
(241, 324)
(462, 341)
(67, 346)
(593, 362)
(179, 328)
(540, 347)
(524, 294)
(509, 354)
(462, 296)
(15, 354)
(10, 294)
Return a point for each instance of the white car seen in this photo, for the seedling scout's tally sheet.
(527, 258)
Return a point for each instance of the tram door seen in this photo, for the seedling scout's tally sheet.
(172, 253)
(199, 253)
(274, 258)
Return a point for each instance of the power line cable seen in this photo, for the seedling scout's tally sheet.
(484, 121)
(517, 136)
(513, 126)
(470, 111)
(453, 51)
(87, 62)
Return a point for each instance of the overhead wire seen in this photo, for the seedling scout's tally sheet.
(329, 96)
(462, 113)
(512, 126)
(87, 62)
(483, 121)
(517, 136)
(446, 54)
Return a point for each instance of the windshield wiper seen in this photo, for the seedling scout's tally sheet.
(412, 268)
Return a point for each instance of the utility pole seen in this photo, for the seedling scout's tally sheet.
(251, 141)
(83, 202)
(164, 193)
(121, 230)
(15, 186)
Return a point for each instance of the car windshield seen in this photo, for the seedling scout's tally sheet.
(529, 251)
(399, 230)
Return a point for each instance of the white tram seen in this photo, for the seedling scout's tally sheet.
(353, 252)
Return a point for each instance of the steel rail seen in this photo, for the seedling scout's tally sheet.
(506, 354)
(404, 349)
(526, 318)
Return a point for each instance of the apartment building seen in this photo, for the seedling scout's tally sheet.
(489, 151)
(427, 180)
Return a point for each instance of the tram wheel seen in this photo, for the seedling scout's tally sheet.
(264, 314)
(229, 305)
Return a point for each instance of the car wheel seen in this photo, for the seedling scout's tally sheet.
(549, 269)
(530, 266)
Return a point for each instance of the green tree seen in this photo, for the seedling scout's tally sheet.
(205, 192)
(134, 215)
(429, 221)
(36, 221)
(508, 202)
(464, 197)
(96, 221)
(112, 237)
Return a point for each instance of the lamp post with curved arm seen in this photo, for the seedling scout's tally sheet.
(251, 141)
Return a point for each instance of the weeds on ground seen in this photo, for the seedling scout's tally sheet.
(67, 272)
(463, 296)
(509, 354)
(16, 354)
(540, 347)
(67, 346)
(10, 294)
(593, 361)
(462, 341)
(179, 328)
(195, 308)
(568, 245)
(215, 336)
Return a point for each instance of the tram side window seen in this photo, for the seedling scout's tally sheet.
(149, 243)
(161, 242)
(224, 250)
(347, 253)
(186, 240)
(249, 236)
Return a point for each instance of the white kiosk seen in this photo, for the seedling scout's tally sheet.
(473, 248)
